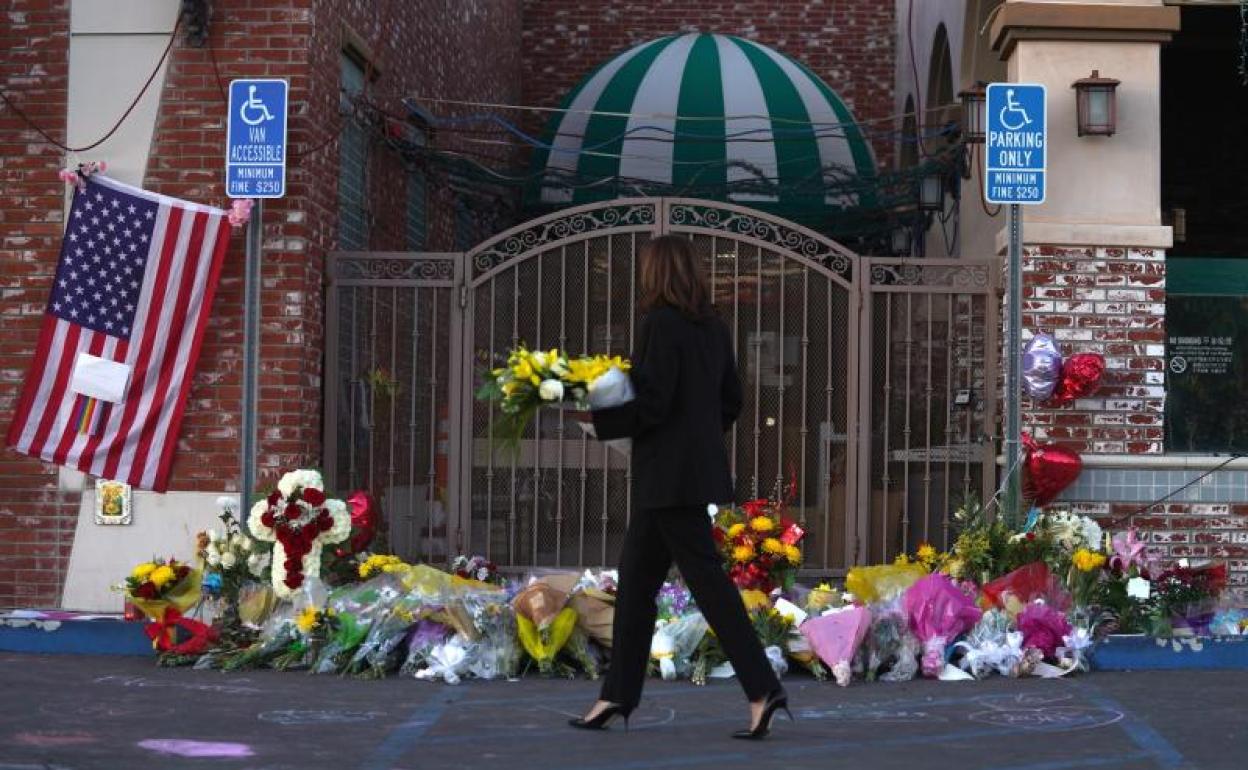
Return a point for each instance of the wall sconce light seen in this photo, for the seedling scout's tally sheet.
(973, 104)
(1179, 223)
(900, 239)
(932, 191)
(1097, 105)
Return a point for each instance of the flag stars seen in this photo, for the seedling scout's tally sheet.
(131, 208)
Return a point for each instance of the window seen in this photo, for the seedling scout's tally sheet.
(416, 225)
(353, 162)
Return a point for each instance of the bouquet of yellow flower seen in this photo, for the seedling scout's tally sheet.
(156, 585)
(759, 544)
(533, 379)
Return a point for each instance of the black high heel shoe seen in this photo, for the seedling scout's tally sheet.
(776, 701)
(602, 719)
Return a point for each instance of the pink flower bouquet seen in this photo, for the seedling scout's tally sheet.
(939, 612)
(836, 636)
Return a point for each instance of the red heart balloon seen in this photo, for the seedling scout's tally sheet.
(1081, 376)
(1049, 470)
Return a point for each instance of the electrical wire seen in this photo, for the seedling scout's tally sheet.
(173, 36)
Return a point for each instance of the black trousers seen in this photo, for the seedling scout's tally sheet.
(654, 540)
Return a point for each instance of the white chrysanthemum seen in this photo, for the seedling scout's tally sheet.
(213, 536)
(288, 483)
(254, 523)
(1092, 534)
(213, 559)
(550, 390)
(257, 562)
(245, 544)
(279, 571)
(228, 560)
(310, 479)
(342, 522)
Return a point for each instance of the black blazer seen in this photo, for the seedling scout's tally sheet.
(688, 396)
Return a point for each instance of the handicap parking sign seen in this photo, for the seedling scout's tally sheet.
(1016, 143)
(255, 154)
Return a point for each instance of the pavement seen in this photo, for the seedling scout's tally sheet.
(73, 712)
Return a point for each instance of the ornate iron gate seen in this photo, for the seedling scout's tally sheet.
(867, 383)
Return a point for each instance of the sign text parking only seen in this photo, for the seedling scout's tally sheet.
(1015, 144)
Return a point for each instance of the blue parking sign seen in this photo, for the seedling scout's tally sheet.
(255, 151)
(1016, 143)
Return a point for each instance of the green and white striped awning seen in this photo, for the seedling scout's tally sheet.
(704, 115)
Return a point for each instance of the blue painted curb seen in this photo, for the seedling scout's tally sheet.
(97, 636)
(1136, 652)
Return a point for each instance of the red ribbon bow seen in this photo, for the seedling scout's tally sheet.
(163, 634)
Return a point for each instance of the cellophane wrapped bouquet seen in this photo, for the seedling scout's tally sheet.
(533, 379)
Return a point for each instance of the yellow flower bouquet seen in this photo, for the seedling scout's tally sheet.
(533, 379)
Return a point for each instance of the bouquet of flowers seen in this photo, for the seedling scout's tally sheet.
(299, 520)
(674, 642)
(759, 544)
(532, 379)
(836, 637)
(992, 645)
(476, 568)
(229, 559)
(939, 612)
(1187, 596)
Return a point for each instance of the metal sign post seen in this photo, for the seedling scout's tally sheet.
(1016, 162)
(255, 167)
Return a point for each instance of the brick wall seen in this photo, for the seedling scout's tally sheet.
(850, 44)
(36, 520)
(1110, 301)
(434, 47)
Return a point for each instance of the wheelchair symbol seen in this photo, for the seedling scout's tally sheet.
(248, 111)
(1011, 108)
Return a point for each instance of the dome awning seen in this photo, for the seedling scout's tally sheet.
(705, 115)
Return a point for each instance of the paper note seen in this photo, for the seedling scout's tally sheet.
(99, 378)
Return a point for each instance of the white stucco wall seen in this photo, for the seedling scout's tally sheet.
(113, 47)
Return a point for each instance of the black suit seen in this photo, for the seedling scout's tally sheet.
(688, 394)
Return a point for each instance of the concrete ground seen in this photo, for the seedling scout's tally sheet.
(76, 713)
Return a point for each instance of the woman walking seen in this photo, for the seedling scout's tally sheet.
(688, 394)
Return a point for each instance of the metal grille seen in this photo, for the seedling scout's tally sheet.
(933, 384)
(869, 384)
(389, 394)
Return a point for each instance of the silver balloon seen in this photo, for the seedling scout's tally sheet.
(1042, 367)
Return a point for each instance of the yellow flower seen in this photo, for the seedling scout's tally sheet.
(954, 568)
(308, 619)
(901, 560)
(772, 545)
(523, 370)
(754, 600)
(762, 524)
(162, 575)
(143, 570)
(926, 553)
(793, 554)
(1086, 561)
(743, 553)
(736, 529)
(824, 587)
(510, 387)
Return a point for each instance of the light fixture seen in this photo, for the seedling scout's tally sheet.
(1180, 225)
(932, 191)
(973, 103)
(900, 238)
(1096, 105)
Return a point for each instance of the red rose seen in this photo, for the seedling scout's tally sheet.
(1031, 535)
(274, 496)
(146, 591)
(266, 518)
(292, 511)
(313, 497)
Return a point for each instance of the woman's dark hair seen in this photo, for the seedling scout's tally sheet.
(671, 275)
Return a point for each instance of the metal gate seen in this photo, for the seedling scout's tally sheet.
(867, 383)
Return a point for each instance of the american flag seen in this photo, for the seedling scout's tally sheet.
(134, 284)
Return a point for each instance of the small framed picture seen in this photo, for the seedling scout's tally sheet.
(112, 502)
